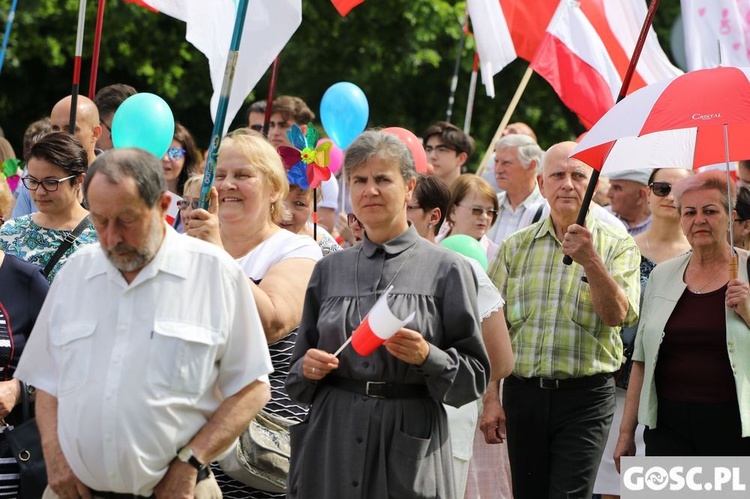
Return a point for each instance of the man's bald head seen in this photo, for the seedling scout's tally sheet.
(88, 128)
(520, 129)
(558, 153)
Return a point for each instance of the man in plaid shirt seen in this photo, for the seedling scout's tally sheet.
(564, 324)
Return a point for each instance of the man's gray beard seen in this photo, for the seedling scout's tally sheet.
(142, 256)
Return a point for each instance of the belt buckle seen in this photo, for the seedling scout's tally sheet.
(367, 389)
(549, 383)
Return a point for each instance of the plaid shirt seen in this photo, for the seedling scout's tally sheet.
(554, 329)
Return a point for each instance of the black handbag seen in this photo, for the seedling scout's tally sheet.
(26, 444)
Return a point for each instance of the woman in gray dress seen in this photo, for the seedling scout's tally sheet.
(376, 427)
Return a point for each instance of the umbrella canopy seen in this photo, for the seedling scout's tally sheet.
(682, 122)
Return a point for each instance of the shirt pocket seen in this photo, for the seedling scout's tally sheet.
(518, 301)
(73, 344)
(581, 309)
(181, 357)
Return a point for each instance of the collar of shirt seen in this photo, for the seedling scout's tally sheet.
(167, 259)
(395, 245)
(546, 226)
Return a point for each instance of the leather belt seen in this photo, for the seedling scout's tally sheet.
(202, 475)
(594, 381)
(378, 389)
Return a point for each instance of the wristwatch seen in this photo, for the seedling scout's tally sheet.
(186, 456)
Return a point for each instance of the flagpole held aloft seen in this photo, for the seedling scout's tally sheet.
(506, 118)
(591, 189)
(97, 46)
(456, 70)
(6, 36)
(472, 94)
(221, 111)
(77, 66)
(270, 97)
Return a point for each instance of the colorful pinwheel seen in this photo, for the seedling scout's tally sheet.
(306, 164)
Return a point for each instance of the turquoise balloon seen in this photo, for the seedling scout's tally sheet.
(144, 120)
(467, 246)
(344, 112)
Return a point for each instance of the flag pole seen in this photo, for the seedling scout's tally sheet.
(457, 68)
(506, 118)
(6, 37)
(221, 110)
(591, 189)
(77, 66)
(271, 94)
(97, 46)
(472, 94)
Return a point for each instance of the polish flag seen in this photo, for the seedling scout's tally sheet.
(269, 25)
(494, 44)
(711, 26)
(174, 209)
(344, 6)
(379, 325)
(586, 49)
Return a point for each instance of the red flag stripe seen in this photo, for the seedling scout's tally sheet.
(345, 6)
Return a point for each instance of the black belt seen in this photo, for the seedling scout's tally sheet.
(594, 381)
(378, 389)
(202, 475)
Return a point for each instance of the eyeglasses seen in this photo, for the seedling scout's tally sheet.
(352, 219)
(257, 128)
(660, 189)
(109, 128)
(184, 203)
(48, 184)
(412, 208)
(175, 153)
(441, 149)
(478, 212)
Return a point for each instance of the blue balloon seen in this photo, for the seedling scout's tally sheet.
(467, 246)
(144, 120)
(344, 112)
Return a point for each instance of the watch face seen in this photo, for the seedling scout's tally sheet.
(185, 454)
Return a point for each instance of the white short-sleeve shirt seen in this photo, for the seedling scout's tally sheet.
(139, 368)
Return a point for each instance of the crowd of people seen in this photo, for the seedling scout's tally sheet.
(150, 342)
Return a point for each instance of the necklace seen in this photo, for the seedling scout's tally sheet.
(356, 274)
(717, 274)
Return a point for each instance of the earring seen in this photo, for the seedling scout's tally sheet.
(273, 208)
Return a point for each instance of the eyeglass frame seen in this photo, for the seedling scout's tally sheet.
(40, 183)
(108, 127)
(660, 185)
(351, 219)
(492, 212)
(184, 203)
(171, 152)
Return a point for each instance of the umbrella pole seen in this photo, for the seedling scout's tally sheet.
(734, 258)
(221, 111)
(567, 260)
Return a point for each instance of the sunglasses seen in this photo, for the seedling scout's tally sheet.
(175, 153)
(257, 128)
(660, 189)
(184, 204)
(478, 212)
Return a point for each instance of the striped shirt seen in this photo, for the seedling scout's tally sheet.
(554, 329)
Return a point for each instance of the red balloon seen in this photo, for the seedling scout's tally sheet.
(413, 143)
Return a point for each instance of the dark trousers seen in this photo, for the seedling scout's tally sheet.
(692, 429)
(556, 437)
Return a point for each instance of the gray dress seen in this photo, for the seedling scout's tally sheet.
(353, 446)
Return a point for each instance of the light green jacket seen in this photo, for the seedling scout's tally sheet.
(664, 289)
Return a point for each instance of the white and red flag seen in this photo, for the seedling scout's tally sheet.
(379, 325)
(174, 208)
(269, 25)
(586, 49)
(492, 35)
(713, 25)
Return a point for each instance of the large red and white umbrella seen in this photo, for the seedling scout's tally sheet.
(683, 122)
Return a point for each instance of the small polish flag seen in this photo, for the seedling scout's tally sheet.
(379, 325)
(174, 208)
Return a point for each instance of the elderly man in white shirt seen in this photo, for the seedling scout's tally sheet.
(149, 357)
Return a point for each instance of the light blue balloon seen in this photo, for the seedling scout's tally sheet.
(344, 112)
(144, 120)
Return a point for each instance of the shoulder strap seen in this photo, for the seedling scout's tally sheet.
(66, 243)
(538, 213)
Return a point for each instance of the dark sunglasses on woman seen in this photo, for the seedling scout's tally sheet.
(660, 189)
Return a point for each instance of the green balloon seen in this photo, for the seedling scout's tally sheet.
(467, 246)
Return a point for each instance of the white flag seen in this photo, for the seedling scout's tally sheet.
(269, 25)
(494, 45)
(713, 25)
